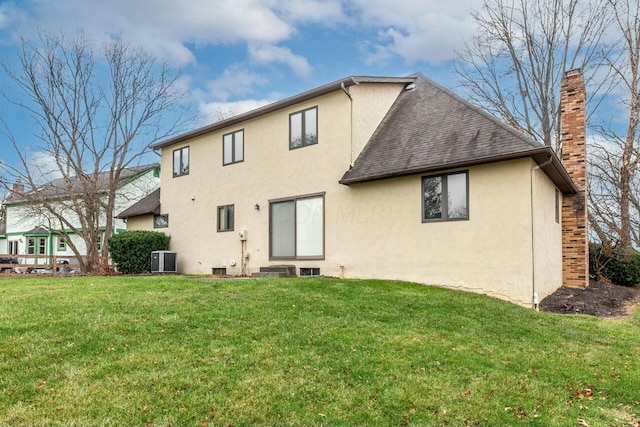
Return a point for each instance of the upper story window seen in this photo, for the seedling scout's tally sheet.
(455, 204)
(62, 244)
(181, 161)
(233, 147)
(303, 128)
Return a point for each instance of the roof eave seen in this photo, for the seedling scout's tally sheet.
(287, 102)
(543, 156)
(127, 215)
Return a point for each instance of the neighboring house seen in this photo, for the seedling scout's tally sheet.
(379, 177)
(145, 214)
(29, 230)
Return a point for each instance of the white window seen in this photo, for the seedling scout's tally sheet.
(233, 147)
(13, 247)
(297, 227)
(62, 244)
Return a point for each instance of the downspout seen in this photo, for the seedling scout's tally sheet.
(535, 298)
(344, 89)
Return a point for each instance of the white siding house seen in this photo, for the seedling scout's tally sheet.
(31, 231)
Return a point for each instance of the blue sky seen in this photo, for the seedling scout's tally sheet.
(236, 55)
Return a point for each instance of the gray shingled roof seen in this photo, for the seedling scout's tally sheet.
(59, 188)
(147, 205)
(37, 231)
(429, 129)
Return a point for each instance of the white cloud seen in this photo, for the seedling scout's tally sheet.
(4, 18)
(235, 81)
(165, 27)
(267, 53)
(323, 11)
(43, 167)
(216, 111)
(417, 30)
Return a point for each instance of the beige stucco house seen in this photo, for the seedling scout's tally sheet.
(145, 214)
(370, 177)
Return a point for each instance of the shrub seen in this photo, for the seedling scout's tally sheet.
(131, 250)
(622, 268)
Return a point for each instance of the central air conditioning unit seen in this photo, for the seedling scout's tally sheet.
(164, 262)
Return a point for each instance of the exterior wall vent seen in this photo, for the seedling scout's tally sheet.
(164, 262)
(307, 272)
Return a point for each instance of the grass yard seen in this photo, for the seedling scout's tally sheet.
(180, 351)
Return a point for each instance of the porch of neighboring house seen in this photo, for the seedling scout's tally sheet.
(39, 251)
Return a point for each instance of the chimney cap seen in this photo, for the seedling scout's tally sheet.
(573, 72)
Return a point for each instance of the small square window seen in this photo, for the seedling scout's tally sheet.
(303, 128)
(455, 206)
(233, 147)
(225, 218)
(161, 221)
(181, 161)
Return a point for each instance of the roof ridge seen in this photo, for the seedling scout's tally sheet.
(526, 138)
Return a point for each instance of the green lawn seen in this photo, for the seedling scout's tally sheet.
(180, 351)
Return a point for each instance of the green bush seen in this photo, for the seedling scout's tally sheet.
(621, 268)
(131, 250)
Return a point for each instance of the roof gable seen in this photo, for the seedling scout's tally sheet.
(341, 84)
(429, 128)
(146, 206)
(58, 188)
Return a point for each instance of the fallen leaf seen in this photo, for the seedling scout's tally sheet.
(582, 422)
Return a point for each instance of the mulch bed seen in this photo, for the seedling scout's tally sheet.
(599, 299)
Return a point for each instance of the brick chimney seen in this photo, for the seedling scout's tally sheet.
(17, 188)
(575, 242)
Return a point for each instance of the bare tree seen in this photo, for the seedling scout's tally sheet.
(615, 187)
(95, 114)
(223, 114)
(514, 63)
